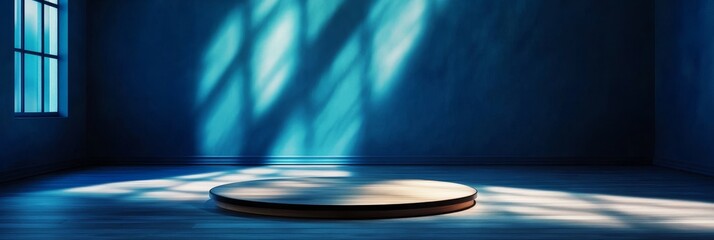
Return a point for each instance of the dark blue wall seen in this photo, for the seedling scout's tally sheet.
(465, 80)
(30, 146)
(685, 85)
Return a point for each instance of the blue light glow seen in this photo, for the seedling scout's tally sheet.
(222, 131)
(219, 91)
(397, 25)
(334, 129)
(293, 140)
(261, 9)
(221, 53)
(237, 91)
(319, 12)
(273, 58)
(337, 124)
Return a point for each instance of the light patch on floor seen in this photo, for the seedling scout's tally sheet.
(194, 187)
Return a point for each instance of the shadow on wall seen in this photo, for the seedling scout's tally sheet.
(685, 103)
(285, 66)
(382, 81)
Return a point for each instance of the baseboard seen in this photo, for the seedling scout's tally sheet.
(685, 166)
(372, 160)
(35, 170)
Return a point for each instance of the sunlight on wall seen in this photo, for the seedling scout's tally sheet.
(219, 91)
(293, 140)
(260, 9)
(319, 12)
(336, 104)
(337, 101)
(338, 123)
(220, 54)
(222, 130)
(328, 119)
(274, 56)
(398, 25)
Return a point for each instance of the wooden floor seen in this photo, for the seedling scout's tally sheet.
(171, 202)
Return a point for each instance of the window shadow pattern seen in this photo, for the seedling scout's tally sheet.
(290, 81)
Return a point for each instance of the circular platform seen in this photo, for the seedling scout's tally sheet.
(344, 198)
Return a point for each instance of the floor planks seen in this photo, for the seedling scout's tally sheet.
(171, 202)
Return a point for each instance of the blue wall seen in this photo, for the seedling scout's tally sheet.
(440, 81)
(34, 145)
(685, 85)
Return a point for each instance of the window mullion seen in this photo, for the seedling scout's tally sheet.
(22, 56)
(37, 53)
(47, 3)
(42, 58)
(58, 69)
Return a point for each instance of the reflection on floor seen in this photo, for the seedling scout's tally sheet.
(529, 202)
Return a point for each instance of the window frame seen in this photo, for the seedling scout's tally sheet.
(43, 55)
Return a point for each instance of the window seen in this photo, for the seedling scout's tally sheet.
(36, 58)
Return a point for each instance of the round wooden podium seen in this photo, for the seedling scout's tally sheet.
(344, 198)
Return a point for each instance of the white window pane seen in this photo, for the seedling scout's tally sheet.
(18, 24)
(50, 85)
(33, 86)
(50, 30)
(33, 26)
(18, 82)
